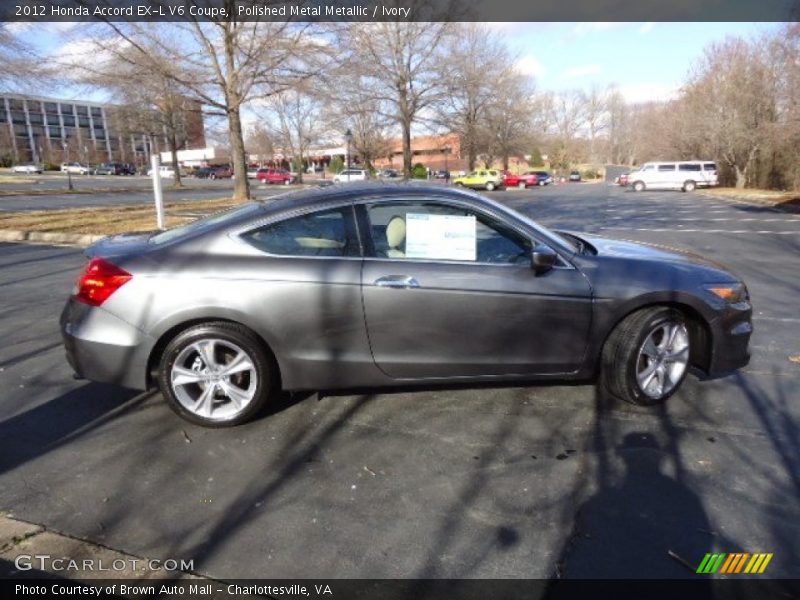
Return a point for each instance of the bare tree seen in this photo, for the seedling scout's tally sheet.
(224, 64)
(296, 123)
(259, 141)
(470, 90)
(732, 96)
(596, 110)
(398, 64)
(512, 117)
(20, 65)
(149, 102)
(566, 116)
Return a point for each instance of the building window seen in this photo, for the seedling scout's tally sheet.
(50, 107)
(67, 109)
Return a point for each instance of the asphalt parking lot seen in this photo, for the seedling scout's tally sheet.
(494, 482)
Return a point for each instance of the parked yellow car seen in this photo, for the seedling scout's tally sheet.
(483, 179)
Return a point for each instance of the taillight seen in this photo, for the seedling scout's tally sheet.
(99, 280)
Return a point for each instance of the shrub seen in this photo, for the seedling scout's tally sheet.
(419, 171)
(336, 165)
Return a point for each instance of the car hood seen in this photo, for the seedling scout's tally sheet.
(611, 248)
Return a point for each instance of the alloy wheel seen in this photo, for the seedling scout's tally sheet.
(214, 379)
(663, 359)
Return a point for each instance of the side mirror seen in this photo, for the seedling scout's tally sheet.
(542, 259)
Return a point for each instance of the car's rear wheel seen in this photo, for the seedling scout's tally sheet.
(689, 186)
(638, 186)
(215, 374)
(542, 183)
(459, 184)
(521, 185)
(489, 186)
(646, 357)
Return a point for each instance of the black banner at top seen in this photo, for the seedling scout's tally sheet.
(400, 10)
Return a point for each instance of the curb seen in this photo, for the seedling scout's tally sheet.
(25, 542)
(52, 237)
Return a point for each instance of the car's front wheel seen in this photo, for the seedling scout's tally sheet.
(646, 357)
(215, 374)
(490, 186)
(689, 186)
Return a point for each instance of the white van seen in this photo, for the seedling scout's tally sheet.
(351, 175)
(164, 171)
(683, 175)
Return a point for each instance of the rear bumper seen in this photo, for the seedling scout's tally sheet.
(102, 347)
(730, 339)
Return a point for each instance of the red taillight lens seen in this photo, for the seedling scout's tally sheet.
(99, 280)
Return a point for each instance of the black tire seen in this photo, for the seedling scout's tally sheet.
(521, 185)
(689, 186)
(490, 186)
(638, 186)
(621, 353)
(231, 332)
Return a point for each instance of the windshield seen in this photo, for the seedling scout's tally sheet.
(205, 224)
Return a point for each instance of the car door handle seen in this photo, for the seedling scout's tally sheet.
(397, 281)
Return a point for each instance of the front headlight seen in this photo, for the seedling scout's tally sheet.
(732, 293)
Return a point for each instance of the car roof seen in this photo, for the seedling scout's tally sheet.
(333, 194)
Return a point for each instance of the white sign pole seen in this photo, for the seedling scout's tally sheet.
(159, 195)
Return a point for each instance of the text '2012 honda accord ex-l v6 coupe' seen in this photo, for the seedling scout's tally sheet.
(376, 285)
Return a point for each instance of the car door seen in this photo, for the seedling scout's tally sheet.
(308, 294)
(448, 291)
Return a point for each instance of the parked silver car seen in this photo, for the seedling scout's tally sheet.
(382, 284)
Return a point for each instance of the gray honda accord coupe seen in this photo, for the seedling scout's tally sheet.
(384, 284)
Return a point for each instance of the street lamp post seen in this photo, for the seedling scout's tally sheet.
(349, 137)
(66, 160)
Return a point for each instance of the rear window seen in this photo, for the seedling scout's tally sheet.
(325, 233)
(689, 167)
(205, 224)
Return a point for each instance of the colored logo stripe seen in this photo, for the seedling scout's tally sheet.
(734, 563)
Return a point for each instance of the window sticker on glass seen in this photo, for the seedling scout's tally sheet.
(442, 237)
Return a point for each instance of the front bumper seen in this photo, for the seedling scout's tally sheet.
(730, 334)
(104, 348)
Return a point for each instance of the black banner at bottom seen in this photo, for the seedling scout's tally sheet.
(47, 586)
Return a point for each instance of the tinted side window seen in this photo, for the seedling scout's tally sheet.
(435, 231)
(689, 167)
(666, 167)
(324, 233)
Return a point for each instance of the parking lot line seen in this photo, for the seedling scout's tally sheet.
(673, 230)
(719, 219)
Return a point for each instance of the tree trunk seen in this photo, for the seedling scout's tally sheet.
(173, 149)
(741, 177)
(241, 186)
(407, 148)
(505, 161)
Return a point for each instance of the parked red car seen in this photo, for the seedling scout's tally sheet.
(521, 181)
(281, 176)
